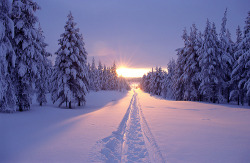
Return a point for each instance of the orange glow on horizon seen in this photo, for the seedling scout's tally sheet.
(132, 72)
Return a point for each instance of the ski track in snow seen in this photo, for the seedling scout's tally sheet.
(131, 142)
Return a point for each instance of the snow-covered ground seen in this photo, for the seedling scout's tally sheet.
(128, 127)
(198, 132)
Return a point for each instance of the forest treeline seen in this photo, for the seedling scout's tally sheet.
(210, 67)
(26, 70)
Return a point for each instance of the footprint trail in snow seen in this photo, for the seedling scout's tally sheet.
(132, 142)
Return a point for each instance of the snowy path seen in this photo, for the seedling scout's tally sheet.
(133, 140)
(127, 125)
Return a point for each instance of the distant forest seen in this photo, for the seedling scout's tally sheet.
(210, 67)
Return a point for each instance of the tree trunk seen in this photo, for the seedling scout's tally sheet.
(20, 108)
(228, 93)
(70, 104)
(238, 99)
(79, 103)
(41, 103)
(242, 99)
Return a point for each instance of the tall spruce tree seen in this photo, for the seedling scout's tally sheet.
(113, 78)
(7, 59)
(241, 71)
(43, 69)
(226, 46)
(100, 76)
(71, 72)
(209, 61)
(93, 76)
(191, 67)
(168, 83)
(25, 46)
(179, 83)
(236, 93)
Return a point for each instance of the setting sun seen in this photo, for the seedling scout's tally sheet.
(131, 72)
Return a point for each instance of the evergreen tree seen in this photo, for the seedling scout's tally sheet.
(113, 78)
(241, 72)
(7, 59)
(94, 76)
(191, 68)
(142, 84)
(71, 72)
(100, 76)
(168, 83)
(226, 46)
(158, 81)
(151, 81)
(209, 61)
(236, 92)
(44, 69)
(179, 83)
(25, 46)
(105, 78)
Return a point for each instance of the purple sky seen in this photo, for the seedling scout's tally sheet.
(137, 33)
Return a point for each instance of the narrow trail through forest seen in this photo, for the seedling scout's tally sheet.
(132, 141)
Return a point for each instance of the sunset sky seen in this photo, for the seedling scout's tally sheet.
(135, 33)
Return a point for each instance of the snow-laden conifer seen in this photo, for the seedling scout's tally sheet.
(113, 78)
(99, 76)
(191, 68)
(71, 72)
(27, 54)
(179, 83)
(7, 59)
(236, 93)
(168, 83)
(241, 71)
(44, 69)
(226, 47)
(209, 61)
(93, 76)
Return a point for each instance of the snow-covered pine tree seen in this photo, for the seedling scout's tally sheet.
(246, 55)
(209, 61)
(158, 81)
(25, 46)
(142, 84)
(236, 92)
(226, 46)
(151, 80)
(154, 83)
(44, 69)
(179, 84)
(113, 78)
(94, 76)
(71, 72)
(241, 71)
(89, 75)
(99, 76)
(7, 59)
(109, 78)
(105, 78)
(148, 81)
(191, 68)
(168, 83)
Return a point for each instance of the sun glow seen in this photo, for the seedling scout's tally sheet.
(131, 72)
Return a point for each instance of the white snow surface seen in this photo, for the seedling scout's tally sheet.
(127, 127)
